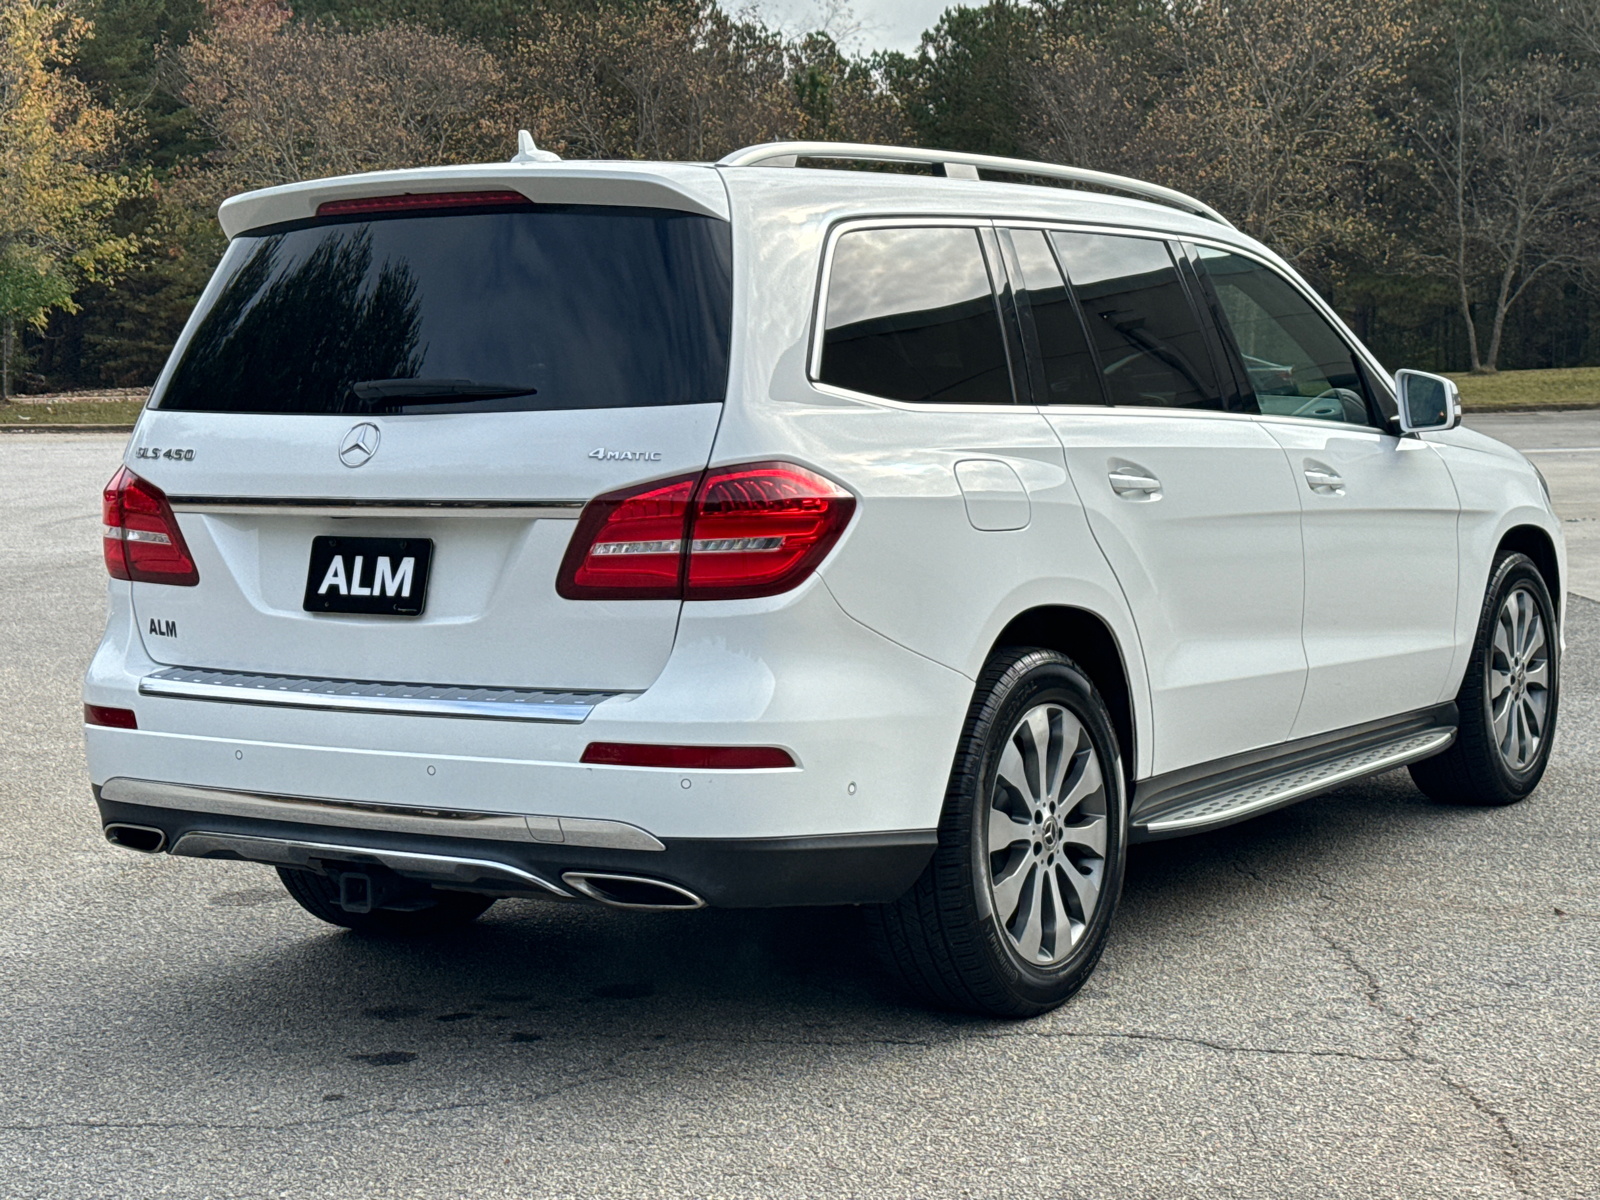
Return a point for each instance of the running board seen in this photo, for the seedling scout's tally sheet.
(1233, 799)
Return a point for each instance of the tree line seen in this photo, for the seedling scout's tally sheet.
(1432, 167)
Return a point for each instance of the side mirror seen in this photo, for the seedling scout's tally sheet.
(1427, 402)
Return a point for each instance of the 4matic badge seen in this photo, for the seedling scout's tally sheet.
(604, 455)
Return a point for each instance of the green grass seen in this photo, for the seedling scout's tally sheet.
(1561, 387)
(72, 412)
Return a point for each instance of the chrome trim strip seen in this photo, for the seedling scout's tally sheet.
(434, 868)
(391, 818)
(344, 507)
(1303, 782)
(355, 695)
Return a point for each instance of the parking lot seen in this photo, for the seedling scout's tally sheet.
(1366, 994)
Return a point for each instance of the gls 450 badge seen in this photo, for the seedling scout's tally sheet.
(170, 453)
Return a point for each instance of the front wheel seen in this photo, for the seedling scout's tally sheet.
(1508, 699)
(1011, 914)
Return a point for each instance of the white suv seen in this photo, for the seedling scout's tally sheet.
(661, 535)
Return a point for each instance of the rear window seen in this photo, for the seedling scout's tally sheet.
(911, 316)
(510, 309)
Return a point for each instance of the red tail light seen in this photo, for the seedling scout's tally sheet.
(141, 537)
(735, 532)
(686, 758)
(629, 544)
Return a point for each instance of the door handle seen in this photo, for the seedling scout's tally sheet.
(1323, 479)
(1125, 480)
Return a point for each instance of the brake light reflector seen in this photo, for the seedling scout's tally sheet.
(409, 203)
(731, 533)
(762, 528)
(112, 718)
(686, 758)
(140, 536)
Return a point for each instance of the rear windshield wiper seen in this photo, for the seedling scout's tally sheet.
(432, 390)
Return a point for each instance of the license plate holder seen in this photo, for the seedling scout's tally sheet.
(370, 576)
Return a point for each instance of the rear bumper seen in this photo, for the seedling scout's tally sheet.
(862, 868)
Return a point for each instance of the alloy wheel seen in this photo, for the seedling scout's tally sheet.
(1519, 679)
(1046, 834)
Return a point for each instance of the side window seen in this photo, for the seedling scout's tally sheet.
(1152, 346)
(911, 315)
(1070, 374)
(1298, 365)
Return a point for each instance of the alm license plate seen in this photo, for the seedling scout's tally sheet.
(387, 576)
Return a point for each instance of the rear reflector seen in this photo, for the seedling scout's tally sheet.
(730, 533)
(140, 536)
(385, 204)
(111, 718)
(687, 758)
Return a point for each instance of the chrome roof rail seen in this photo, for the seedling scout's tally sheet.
(957, 165)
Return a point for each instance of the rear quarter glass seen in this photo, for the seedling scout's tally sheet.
(582, 306)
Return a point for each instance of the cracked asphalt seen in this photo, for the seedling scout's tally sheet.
(1363, 995)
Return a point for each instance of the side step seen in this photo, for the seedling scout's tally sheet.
(1234, 800)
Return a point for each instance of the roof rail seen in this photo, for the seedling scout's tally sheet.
(957, 165)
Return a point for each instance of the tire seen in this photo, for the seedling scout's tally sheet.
(1511, 693)
(319, 896)
(968, 935)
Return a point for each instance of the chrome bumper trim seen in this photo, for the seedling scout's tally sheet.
(391, 818)
(341, 507)
(354, 695)
(436, 869)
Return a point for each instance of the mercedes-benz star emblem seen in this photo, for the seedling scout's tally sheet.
(359, 445)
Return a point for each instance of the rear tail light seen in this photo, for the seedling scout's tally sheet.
(686, 758)
(111, 718)
(731, 533)
(141, 537)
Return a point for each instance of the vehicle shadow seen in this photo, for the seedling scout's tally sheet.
(545, 986)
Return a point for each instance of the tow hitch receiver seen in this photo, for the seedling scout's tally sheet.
(363, 891)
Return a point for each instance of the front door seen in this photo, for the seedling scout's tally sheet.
(1379, 511)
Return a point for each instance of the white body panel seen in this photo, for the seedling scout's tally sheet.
(964, 521)
(492, 617)
(1387, 530)
(1210, 564)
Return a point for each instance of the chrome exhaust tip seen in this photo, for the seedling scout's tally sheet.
(632, 892)
(144, 838)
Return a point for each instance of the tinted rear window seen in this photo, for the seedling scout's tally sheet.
(1152, 347)
(587, 307)
(911, 316)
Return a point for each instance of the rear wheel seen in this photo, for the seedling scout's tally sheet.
(1010, 916)
(437, 912)
(1508, 699)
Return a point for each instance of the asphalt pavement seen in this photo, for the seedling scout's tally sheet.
(1364, 995)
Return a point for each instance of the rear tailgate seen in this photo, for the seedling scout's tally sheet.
(509, 361)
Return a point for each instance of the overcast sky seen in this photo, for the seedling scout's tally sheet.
(885, 24)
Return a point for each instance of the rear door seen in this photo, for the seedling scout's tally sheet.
(1193, 506)
(466, 376)
(1379, 510)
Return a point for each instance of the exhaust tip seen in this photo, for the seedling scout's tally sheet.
(143, 838)
(632, 892)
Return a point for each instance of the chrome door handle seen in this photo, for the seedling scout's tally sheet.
(1123, 482)
(1324, 479)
